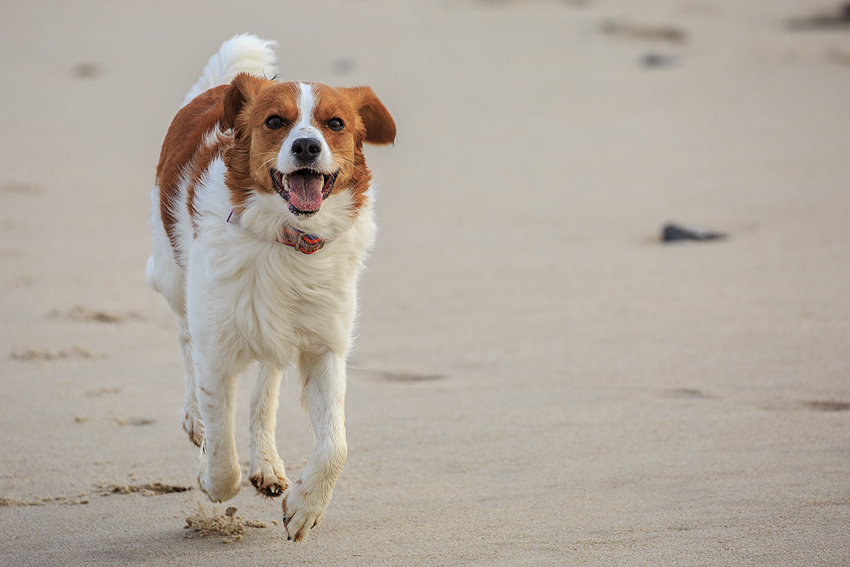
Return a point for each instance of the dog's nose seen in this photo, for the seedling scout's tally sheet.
(306, 149)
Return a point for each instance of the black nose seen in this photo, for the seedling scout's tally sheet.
(306, 149)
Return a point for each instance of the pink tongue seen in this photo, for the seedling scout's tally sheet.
(305, 190)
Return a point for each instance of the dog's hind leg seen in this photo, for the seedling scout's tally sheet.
(267, 472)
(192, 423)
(166, 277)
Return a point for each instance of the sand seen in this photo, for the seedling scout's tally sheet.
(537, 379)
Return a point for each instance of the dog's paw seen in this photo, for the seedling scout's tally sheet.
(223, 488)
(269, 478)
(194, 427)
(300, 512)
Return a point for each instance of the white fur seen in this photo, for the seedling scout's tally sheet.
(239, 296)
(244, 53)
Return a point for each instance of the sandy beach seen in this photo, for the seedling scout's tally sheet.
(537, 378)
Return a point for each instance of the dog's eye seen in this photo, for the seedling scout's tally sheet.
(335, 124)
(275, 122)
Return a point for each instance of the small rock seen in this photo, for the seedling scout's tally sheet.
(344, 65)
(86, 70)
(675, 232)
(658, 60)
(840, 18)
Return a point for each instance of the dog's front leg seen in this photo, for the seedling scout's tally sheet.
(267, 472)
(322, 375)
(215, 376)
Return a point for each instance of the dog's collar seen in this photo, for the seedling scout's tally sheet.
(298, 239)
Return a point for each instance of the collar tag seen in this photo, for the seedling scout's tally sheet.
(292, 237)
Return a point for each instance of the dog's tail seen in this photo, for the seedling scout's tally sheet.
(244, 53)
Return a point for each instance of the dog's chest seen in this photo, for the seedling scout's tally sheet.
(275, 298)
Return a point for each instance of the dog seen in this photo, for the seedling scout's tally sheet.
(261, 218)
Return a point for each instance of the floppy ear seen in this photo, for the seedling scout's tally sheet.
(380, 127)
(242, 90)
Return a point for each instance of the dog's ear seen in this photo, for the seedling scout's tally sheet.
(380, 127)
(242, 90)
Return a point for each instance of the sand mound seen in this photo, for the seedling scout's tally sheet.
(206, 521)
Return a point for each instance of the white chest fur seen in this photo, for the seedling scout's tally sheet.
(271, 299)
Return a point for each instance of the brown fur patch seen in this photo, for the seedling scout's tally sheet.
(182, 144)
(203, 157)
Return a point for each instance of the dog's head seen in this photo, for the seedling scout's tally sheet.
(301, 141)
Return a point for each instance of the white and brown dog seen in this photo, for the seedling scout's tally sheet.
(261, 219)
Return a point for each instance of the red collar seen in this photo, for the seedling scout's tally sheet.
(298, 239)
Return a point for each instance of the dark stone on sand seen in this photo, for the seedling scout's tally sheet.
(344, 65)
(840, 20)
(655, 60)
(86, 70)
(673, 232)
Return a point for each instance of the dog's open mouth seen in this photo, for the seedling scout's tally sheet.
(304, 189)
